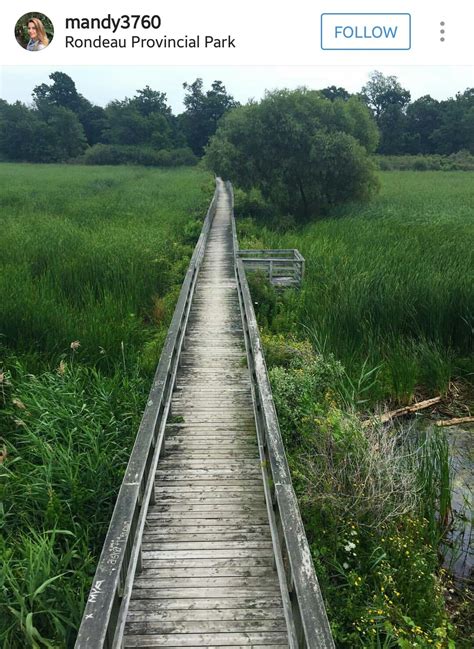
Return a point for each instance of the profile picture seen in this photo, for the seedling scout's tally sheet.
(34, 31)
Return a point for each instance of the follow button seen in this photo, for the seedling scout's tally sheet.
(365, 31)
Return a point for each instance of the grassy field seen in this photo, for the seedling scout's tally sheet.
(388, 284)
(91, 261)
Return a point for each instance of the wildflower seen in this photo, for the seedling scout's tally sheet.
(19, 404)
(62, 368)
(354, 532)
(75, 345)
(350, 546)
(345, 565)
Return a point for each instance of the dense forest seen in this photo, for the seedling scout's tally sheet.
(61, 124)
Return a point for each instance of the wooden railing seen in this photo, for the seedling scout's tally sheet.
(105, 613)
(308, 624)
(283, 267)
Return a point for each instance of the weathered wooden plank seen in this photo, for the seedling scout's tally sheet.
(166, 537)
(203, 453)
(206, 640)
(155, 527)
(238, 507)
(209, 496)
(218, 553)
(206, 604)
(192, 488)
(210, 571)
(179, 463)
(177, 518)
(234, 646)
(246, 625)
(148, 613)
(250, 481)
(180, 583)
(199, 546)
(206, 562)
(254, 646)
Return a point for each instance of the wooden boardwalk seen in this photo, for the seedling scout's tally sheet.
(208, 576)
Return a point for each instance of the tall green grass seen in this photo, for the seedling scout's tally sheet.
(84, 253)
(93, 256)
(389, 283)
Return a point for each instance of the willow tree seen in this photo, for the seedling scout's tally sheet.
(301, 150)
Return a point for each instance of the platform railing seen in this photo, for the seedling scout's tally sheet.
(104, 617)
(308, 626)
(284, 267)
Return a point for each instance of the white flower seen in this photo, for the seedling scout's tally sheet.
(345, 565)
(354, 533)
(350, 546)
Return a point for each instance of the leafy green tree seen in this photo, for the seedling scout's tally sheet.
(423, 118)
(21, 135)
(382, 92)
(145, 119)
(456, 130)
(68, 135)
(203, 112)
(388, 100)
(62, 92)
(301, 150)
(47, 134)
(334, 92)
(148, 101)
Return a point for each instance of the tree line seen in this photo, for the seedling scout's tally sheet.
(61, 124)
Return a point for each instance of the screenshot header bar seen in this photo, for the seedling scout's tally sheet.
(341, 32)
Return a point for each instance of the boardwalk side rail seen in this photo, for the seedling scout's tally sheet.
(309, 618)
(104, 617)
(286, 263)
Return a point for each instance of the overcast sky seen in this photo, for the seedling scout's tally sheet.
(101, 84)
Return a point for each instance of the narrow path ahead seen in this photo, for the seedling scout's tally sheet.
(208, 577)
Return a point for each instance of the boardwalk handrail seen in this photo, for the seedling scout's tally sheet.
(104, 616)
(309, 615)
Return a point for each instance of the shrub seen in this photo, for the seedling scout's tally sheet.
(302, 151)
(460, 161)
(116, 154)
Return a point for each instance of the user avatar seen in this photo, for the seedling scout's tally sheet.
(34, 31)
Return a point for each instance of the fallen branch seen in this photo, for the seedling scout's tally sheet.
(407, 410)
(455, 421)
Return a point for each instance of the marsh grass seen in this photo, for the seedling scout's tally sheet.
(84, 253)
(91, 261)
(388, 284)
